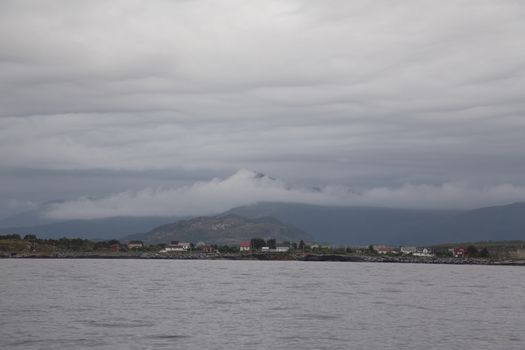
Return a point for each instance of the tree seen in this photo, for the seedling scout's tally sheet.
(224, 248)
(301, 245)
(272, 243)
(484, 253)
(257, 243)
(472, 251)
(15, 237)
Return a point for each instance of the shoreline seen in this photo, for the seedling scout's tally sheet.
(272, 257)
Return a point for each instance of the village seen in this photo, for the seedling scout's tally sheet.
(258, 245)
(30, 246)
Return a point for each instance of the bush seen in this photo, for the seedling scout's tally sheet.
(484, 253)
(472, 251)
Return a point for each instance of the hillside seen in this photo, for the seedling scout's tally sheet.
(350, 225)
(330, 224)
(366, 225)
(223, 229)
(498, 223)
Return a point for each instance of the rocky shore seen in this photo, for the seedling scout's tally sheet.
(440, 260)
(266, 257)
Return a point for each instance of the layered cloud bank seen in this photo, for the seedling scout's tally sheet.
(408, 88)
(372, 94)
(246, 187)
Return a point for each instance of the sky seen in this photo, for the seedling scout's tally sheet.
(174, 107)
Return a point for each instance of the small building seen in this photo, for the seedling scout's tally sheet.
(115, 247)
(184, 245)
(135, 244)
(177, 247)
(207, 249)
(244, 246)
(200, 244)
(204, 248)
(425, 252)
(458, 252)
(383, 249)
(265, 249)
(359, 249)
(408, 250)
(282, 249)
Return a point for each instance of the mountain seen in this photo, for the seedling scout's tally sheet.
(109, 228)
(223, 229)
(35, 221)
(497, 223)
(349, 225)
(365, 225)
(330, 224)
(33, 217)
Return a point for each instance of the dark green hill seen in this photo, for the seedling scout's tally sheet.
(223, 229)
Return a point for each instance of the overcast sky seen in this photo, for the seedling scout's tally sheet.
(117, 105)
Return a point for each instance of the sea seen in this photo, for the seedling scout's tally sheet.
(205, 304)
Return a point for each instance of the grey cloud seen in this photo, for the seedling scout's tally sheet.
(246, 187)
(362, 94)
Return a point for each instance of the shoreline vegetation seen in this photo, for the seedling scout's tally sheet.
(481, 253)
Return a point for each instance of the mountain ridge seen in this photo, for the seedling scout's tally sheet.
(330, 224)
(222, 229)
(108, 228)
(376, 225)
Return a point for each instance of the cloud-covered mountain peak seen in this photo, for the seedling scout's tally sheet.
(245, 173)
(248, 187)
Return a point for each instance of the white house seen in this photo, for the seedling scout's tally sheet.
(282, 249)
(178, 247)
(135, 244)
(408, 250)
(184, 245)
(244, 246)
(423, 252)
(383, 249)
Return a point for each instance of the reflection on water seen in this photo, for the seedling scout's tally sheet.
(142, 304)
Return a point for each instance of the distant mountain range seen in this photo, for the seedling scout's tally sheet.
(331, 224)
(223, 229)
(36, 221)
(364, 225)
(98, 229)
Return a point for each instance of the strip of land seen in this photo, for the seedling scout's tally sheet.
(472, 253)
(267, 257)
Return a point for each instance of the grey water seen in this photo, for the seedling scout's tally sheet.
(176, 304)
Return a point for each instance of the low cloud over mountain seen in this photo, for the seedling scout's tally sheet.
(245, 187)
